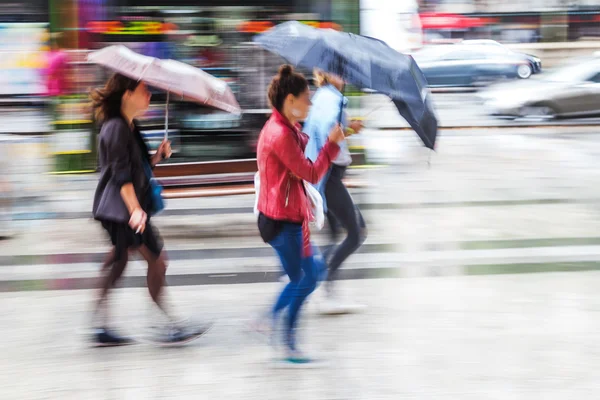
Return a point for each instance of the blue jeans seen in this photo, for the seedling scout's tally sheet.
(304, 273)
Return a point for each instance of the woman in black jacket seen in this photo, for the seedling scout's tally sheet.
(123, 200)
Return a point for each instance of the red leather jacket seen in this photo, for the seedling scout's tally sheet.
(280, 156)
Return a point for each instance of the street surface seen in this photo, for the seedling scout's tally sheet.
(460, 274)
(488, 337)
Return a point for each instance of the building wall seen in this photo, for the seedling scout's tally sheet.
(469, 6)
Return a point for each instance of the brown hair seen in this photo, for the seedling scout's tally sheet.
(106, 101)
(287, 81)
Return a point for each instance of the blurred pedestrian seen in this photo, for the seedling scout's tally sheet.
(55, 74)
(284, 210)
(124, 201)
(328, 103)
(56, 68)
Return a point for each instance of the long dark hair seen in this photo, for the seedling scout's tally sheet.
(287, 81)
(106, 101)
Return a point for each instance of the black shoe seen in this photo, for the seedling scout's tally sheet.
(106, 338)
(178, 336)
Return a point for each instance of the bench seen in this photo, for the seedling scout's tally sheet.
(215, 178)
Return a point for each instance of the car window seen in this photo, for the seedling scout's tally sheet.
(594, 78)
(431, 53)
(494, 48)
(463, 55)
(482, 52)
(575, 72)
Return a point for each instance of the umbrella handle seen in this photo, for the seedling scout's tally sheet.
(366, 116)
(372, 111)
(167, 117)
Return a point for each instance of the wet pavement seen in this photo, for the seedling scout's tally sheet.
(480, 186)
(484, 337)
(492, 203)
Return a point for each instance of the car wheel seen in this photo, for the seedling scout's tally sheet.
(541, 111)
(524, 71)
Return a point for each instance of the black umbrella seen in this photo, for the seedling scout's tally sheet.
(365, 62)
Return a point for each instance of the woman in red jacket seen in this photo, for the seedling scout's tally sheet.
(283, 205)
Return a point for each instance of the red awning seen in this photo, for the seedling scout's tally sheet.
(436, 21)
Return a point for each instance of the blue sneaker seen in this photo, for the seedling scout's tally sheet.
(297, 357)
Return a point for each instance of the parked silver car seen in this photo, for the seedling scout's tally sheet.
(571, 91)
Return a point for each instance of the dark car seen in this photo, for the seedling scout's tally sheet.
(470, 65)
(534, 61)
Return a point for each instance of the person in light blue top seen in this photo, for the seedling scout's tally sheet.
(328, 102)
(323, 116)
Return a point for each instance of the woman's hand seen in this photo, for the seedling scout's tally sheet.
(336, 135)
(356, 126)
(138, 219)
(163, 152)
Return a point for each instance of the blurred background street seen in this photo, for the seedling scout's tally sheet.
(481, 266)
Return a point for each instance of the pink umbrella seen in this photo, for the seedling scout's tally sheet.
(172, 76)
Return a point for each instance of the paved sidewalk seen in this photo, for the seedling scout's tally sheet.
(260, 265)
(468, 167)
(481, 187)
(425, 229)
(467, 338)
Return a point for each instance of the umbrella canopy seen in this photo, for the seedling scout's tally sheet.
(172, 76)
(362, 61)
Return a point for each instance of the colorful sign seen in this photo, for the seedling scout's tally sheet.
(131, 27)
(261, 26)
(162, 28)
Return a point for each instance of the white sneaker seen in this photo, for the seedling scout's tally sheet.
(331, 306)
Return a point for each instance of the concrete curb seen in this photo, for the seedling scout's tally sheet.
(266, 269)
(262, 259)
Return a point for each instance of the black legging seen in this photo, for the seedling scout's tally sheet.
(341, 209)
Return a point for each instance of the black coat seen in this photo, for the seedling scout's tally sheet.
(121, 156)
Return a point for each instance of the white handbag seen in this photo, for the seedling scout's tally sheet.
(316, 202)
(317, 206)
(256, 191)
